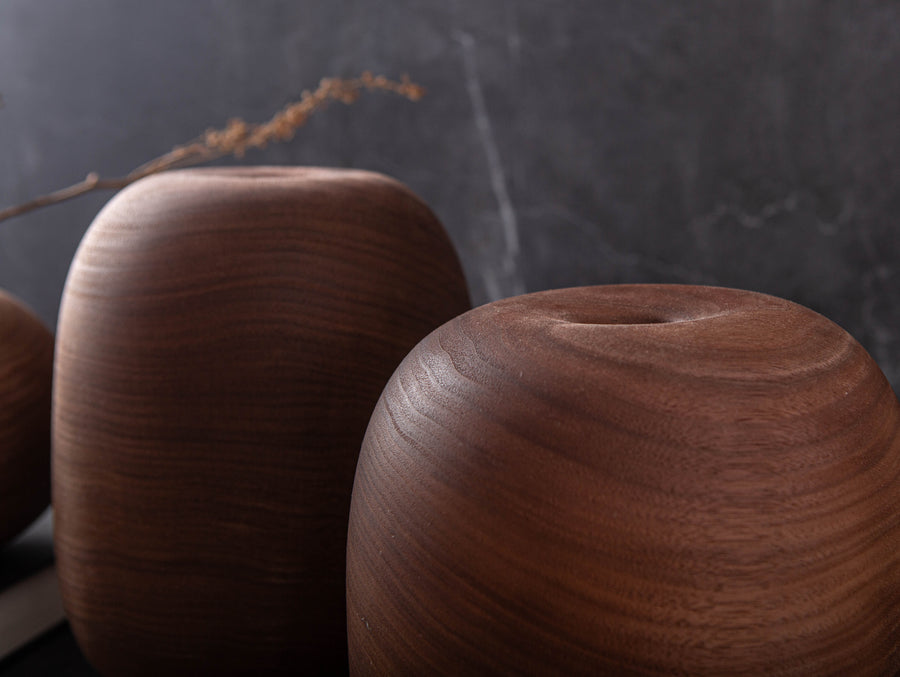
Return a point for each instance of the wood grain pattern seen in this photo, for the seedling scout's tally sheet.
(26, 368)
(223, 338)
(629, 480)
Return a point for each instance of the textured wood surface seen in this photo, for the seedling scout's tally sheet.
(626, 480)
(223, 338)
(26, 368)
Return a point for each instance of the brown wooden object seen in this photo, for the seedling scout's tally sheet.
(26, 369)
(223, 338)
(629, 480)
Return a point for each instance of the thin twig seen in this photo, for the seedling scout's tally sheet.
(236, 138)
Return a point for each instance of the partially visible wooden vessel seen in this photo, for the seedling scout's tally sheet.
(26, 369)
(223, 338)
(650, 480)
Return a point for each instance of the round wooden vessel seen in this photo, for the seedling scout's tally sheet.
(223, 337)
(26, 370)
(650, 480)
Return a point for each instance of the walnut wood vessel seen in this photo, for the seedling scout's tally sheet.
(26, 369)
(622, 480)
(223, 338)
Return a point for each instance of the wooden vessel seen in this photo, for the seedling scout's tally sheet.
(26, 369)
(651, 480)
(223, 337)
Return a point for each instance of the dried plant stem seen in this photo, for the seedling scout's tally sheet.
(234, 139)
(90, 182)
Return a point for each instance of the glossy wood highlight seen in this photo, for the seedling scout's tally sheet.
(224, 335)
(629, 480)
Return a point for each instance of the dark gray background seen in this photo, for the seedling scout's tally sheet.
(750, 144)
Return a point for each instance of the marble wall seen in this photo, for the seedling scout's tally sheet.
(745, 144)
